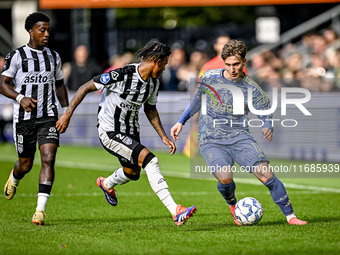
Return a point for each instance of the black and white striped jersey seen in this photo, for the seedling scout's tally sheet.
(34, 73)
(124, 94)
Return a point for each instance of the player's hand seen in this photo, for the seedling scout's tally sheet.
(170, 144)
(63, 122)
(268, 134)
(175, 130)
(28, 104)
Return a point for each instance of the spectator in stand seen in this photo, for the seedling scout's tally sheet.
(331, 37)
(187, 74)
(82, 69)
(118, 61)
(169, 79)
(217, 61)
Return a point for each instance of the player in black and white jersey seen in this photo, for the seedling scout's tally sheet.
(35, 72)
(125, 90)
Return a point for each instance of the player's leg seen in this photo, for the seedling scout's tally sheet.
(48, 140)
(220, 163)
(25, 142)
(21, 167)
(46, 179)
(149, 162)
(121, 176)
(258, 164)
(277, 191)
(132, 156)
(126, 149)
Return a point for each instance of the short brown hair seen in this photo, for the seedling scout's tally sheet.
(234, 48)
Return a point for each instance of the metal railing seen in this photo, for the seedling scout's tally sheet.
(332, 15)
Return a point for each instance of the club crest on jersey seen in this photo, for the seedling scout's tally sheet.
(114, 75)
(127, 140)
(105, 78)
(20, 148)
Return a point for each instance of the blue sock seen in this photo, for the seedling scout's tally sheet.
(279, 194)
(228, 192)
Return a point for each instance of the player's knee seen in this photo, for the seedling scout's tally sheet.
(134, 177)
(225, 180)
(25, 165)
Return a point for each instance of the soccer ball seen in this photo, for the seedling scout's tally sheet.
(248, 211)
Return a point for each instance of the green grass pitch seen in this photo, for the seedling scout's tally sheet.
(80, 221)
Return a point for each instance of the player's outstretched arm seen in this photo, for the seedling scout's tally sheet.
(153, 116)
(176, 130)
(64, 120)
(27, 103)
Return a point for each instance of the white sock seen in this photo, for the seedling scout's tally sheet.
(42, 201)
(159, 185)
(166, 198)
(290, 216)
(118, 177)
(15, 181)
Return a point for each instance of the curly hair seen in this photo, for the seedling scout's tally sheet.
(34, 18)
(234, 48)
(154, 50)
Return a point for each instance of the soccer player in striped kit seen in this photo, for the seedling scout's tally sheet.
(125, 90)
(35, 72)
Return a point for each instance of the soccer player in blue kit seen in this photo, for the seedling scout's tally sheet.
(222, 144)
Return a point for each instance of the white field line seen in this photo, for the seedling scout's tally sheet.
(110, 168)
(150, 193)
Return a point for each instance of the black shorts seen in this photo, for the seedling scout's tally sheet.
(125, 147)
(28, 132)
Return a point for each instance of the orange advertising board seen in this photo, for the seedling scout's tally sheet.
(70, 4)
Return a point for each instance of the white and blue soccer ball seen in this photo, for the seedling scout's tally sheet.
(248, 211)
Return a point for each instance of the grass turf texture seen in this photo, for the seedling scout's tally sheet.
(80, 221)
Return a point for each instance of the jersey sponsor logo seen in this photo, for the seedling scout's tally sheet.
(129, 106)
(105, 78)
(35, 78)
(114, 75)
(52, 133)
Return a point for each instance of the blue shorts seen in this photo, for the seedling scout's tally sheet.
(246, 152)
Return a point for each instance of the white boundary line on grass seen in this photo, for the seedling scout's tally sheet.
(109, 168)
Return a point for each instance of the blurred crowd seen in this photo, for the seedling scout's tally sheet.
(313, 63)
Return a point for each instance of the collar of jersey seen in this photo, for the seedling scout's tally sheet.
(139, 77)
(232, 82)
(35, 49)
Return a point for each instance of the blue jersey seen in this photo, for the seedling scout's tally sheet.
(218, 123)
